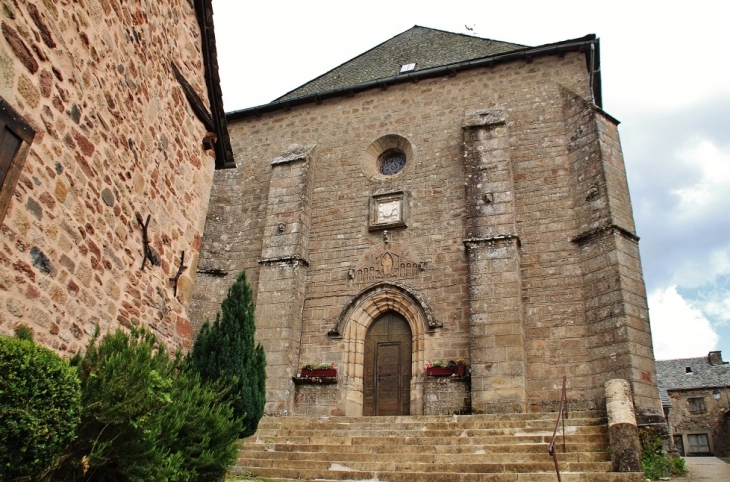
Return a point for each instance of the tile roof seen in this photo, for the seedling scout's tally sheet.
(426, 47)
(672, 374)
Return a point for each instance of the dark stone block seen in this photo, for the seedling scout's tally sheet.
(108, 196)
(41, 261)
(75, 113)
(34, 208)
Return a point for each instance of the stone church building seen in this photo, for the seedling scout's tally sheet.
(440, 196)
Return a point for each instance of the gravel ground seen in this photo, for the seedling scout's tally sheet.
(701, 469)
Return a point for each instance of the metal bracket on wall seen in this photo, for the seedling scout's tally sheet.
(180, 270)
(148, 254)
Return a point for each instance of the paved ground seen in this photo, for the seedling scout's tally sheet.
(702, 469)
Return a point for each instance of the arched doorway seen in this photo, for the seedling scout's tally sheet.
(353, 325)
(387, 367)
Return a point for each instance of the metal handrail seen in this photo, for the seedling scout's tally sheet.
(551, 448)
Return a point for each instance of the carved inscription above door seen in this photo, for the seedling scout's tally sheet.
(388, 262)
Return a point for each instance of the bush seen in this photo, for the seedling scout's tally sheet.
(654, 462)
(226, 350)
(40, 401)
(144, 419)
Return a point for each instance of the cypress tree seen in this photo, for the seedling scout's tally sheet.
(226, 350)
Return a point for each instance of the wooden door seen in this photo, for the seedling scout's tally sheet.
(387, 373)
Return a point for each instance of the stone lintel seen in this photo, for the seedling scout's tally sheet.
(601, 230)
(284, 259)
(484, 118)
(501, 239)
(295, 154)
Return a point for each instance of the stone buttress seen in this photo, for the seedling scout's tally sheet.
(495, 307)
(619, 337)
(283, 265)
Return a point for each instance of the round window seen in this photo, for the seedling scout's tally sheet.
(391, 162)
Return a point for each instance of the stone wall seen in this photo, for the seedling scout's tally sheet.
(712, 421)
(446, 395)
(538, 312)
(116, 141)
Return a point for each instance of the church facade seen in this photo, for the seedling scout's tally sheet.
(439, 198)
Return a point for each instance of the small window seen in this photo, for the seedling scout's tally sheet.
(696, 405)
(407, 67)
(687, 369)
(392, 162)
(15, 138)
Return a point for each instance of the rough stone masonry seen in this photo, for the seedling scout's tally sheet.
(501, 231)
(116, 140)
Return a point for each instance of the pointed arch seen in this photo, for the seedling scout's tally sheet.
(370, 304)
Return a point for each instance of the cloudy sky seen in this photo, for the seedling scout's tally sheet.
(666, 77)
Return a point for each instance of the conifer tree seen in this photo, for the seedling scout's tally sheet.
(226, 350)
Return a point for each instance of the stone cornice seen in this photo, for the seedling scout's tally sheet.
(493, 240)
(593, 233)
(284, 259)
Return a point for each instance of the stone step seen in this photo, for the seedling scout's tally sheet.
(599, 447)
(407, 419)
(397, 441)
(474, 456)
(495, 447)
(392, 431)
(339, 474)
(484, 467)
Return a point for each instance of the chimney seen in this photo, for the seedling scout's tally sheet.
(715, 358)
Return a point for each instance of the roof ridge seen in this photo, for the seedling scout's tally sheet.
(467, 35)
(429, 48)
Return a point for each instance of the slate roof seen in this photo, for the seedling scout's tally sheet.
(672, 374)
(663, 395)
(426, 47)
(436, 53)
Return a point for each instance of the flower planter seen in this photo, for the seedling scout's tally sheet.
(321, 372)
(460, 370)
(438, 372)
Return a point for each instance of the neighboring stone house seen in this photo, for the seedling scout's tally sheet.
(111, 115)
(440, 196)
(699, 418)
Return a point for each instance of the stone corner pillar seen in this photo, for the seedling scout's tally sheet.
(623, 434)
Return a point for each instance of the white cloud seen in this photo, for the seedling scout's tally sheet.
(715, 305)
(678, 329)
(712, 187)
(702, 270)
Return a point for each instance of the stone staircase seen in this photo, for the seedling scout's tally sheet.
(464, 448)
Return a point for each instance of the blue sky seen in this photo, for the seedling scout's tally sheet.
(665, 76)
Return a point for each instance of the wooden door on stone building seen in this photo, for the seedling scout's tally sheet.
(387, 371)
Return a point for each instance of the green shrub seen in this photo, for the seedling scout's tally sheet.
(654, 462)
(144, 419)
(226, 350)
(40, 401)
